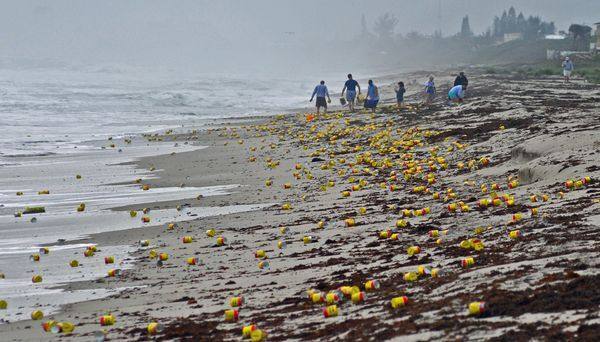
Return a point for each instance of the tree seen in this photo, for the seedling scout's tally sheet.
(581, 35)
(385, 26)
(521, 23)
(465, 30)
(511, 21)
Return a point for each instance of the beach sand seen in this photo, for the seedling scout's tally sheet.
(542, 284)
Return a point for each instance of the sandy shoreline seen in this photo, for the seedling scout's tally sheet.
(549, 274)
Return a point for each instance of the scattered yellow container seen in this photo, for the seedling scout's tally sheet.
(231, 315)
(258, 335)
(399, 302)
(330, 311)
(476, 308)
(36, 315)
(248, 329)
(107, 320)
(236, 301)
(154, 328)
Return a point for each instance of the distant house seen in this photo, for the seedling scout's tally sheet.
(509, 37)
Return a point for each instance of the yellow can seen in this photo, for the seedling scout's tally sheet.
(330, 311)
(192, 261)
(211, 233)
(221, 241)
(258, 335)
(372, 285)
(248, 329)
(467, 262)
(350, 222)
(358, 297)
(476, 308)
(317, 297)
(3, 304)
(107, 320)
(399, 302)
(401, 224)
(236, 301)
(307, 239)
(231, 315)
(154, 328)
(514, 234)
(412, 250)
(260, 254)
(66, 327)
(332, 298)
(411, 276)
(36, 278)
(36, 315)
(187, 239)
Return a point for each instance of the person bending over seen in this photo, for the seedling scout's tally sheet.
(456, 94)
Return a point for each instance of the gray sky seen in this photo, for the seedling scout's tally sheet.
(187, 31)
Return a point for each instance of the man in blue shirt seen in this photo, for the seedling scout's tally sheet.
(567, 69)
(350, 90)
(321, 91)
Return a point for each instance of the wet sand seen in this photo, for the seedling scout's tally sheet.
(542, 284)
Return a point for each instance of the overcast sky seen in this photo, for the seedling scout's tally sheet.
(159, 30)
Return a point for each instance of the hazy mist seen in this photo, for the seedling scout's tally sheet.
(221, 35)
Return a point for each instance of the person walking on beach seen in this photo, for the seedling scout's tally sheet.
(456, 94)
(430, 91)
(568, 67)
(350, 90)
(462, 80)
(321, 92)
(372, 96)
(400, 90)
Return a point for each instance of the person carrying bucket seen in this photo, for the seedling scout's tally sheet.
(372, 96)
(321, 92)
(350, 90)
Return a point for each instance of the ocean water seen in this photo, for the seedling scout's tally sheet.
(45, 111)
(55, 125)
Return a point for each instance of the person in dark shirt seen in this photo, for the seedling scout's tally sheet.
(462, 80)
(350, 90)
(400, 90)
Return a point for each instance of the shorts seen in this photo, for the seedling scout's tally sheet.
(321, 102)
(454, 96)
(371, 103)
(399, 99)
(567, 73)
(350, 95)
